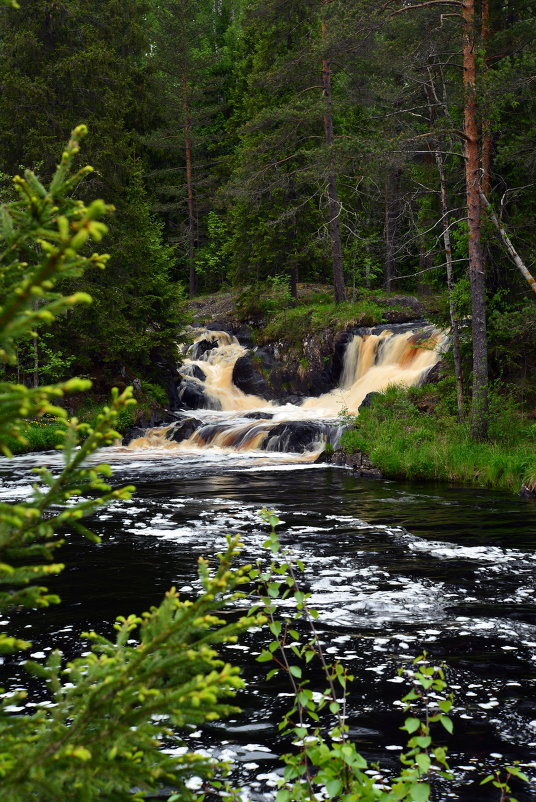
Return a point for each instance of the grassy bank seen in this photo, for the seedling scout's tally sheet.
(45, 434)
(39, 435)
(415, 435)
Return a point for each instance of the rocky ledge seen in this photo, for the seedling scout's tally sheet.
(358, 461)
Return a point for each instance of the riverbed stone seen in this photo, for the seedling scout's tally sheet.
(192, 396)
(183, 429)
(132, 433)
(358, 461)
(297, 436)
(248, 379)
(193, 371)
(368, 400)
(200, 348)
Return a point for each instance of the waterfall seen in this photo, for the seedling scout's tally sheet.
(373, 362)
(228, 419)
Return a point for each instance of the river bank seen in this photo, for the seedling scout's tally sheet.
(406, 437)
(412, 434)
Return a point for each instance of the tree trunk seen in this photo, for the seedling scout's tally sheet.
(391, 226)
(189, 186)
(508, 243)
(486, 122)
(479, 409)
(485, 156)
(454, 326)
(334, 208)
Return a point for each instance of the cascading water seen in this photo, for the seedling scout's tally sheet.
(232, 419)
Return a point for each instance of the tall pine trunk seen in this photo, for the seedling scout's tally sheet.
(334, 208)
(486, 122)
(391, 227)
(454, 325)
(189, 185)
(479, 408)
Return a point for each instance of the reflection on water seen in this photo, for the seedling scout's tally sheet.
(393, 569)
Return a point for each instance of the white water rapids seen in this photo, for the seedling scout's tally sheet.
(372, 362)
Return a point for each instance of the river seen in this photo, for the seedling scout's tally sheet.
(393, 568)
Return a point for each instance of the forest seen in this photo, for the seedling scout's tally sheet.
(277, 254)
(371, 148)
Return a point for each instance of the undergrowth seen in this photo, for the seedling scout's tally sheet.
(404, 441)
(290, 324)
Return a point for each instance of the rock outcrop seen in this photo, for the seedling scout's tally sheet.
(358, 461)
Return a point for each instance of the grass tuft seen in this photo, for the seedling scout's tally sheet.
(405, 442)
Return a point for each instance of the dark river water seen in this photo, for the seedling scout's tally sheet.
(393, 568)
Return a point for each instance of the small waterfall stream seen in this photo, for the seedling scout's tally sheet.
(234, 420)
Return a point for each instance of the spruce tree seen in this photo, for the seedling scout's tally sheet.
(67, 61)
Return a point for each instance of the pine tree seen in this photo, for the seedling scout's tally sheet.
(66, 61)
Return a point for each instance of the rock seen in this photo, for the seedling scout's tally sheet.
(297, 436)
(200, 348)
(265, 355)
(367, 401)
(435, 374)
(194, 371)
(358, 461)
(296, 400)
(183, 429)
(220, 325)
(244, 335)
(132, 433)
(249, 380)
(192, 396)
(258, 415)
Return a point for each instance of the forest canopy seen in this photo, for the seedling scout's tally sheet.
(343, 143)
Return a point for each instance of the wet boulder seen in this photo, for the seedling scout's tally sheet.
(193, 371)
(200, 348)
(296, 436)
(368, 400)
(192, 396)
(358, 461)
(249, 380)
(132, 433)
(183, 429)
(258, 415)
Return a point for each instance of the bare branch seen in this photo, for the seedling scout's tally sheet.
(434, 267)
(428, 3)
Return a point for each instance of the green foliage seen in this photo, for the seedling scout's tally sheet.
(155, 392)
(38, 435)
(61, 63)
(401, 440)
(264, 298)
(291, 324)
(109, 713)
(213, 259)
(137, 309)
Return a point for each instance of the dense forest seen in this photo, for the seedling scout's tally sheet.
(324, 171)
(248, 141)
